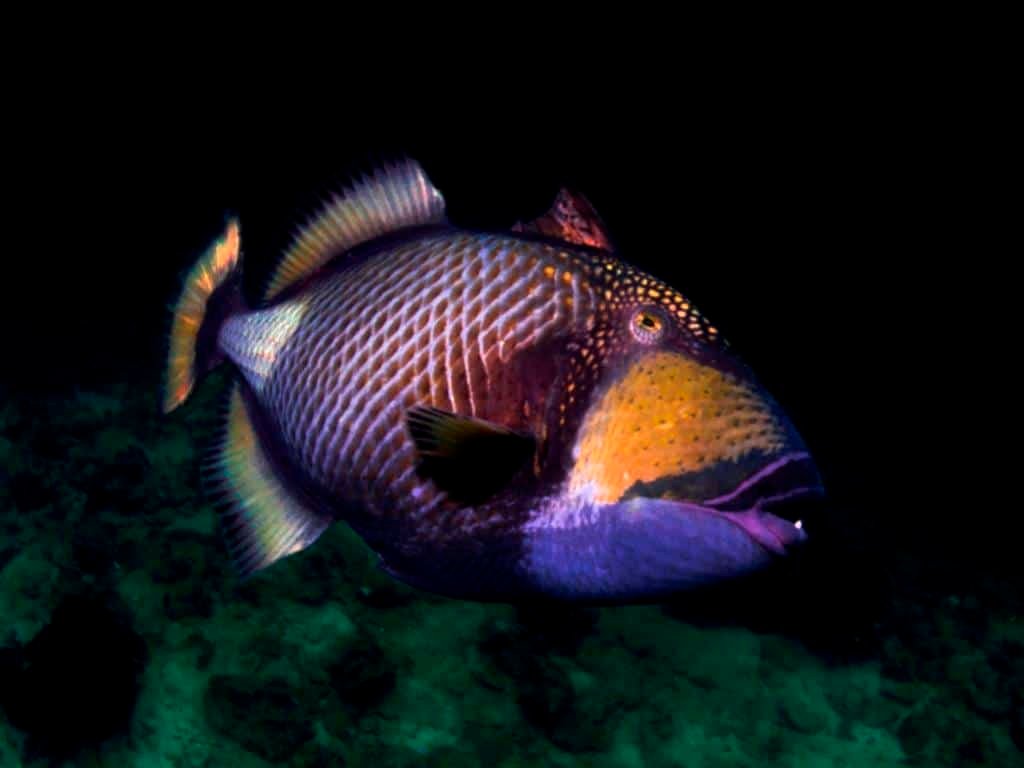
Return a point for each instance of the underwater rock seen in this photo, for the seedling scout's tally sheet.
(915, 732)
(120, 448)
(779, 654)
(851, 702)
(971, 751)
(931, 638)
(362, 676)
(453, 757)
(8, 456)
(29, 591)
(542, 628)
(941, 732)
(187, 600)
(972, 620)
(904, 694)
(10, 667)
(94, 546)
(385, 596)
(491, 741)
(898, 662)
(590, 729)
(183, 555)
(545, 696)
(960, 667)
(557, 628)
(1007, 659)
(50, 444)
(978, 749)
(504, 649)
(205, 648)
(119, 485)
(549, 701)
(336, 719)
(29, 492)
(544, 691)
(263, 716)
(1006, 655)
(186, 563)
(314, 578)
(77, 682)
(986, 695)
(1017, 724)
(314, 755)
(803, 709)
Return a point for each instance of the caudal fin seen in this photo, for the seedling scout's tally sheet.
(212, 293)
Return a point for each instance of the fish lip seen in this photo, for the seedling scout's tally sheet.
(772, 532)
(772, 505)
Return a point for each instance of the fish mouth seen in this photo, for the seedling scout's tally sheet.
(772, 532)
(774, 503)
(656, 543)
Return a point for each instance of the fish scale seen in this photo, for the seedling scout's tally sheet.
(339, 398)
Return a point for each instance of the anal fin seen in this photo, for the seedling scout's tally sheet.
(265, 516)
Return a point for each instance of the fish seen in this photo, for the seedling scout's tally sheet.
(499, 415)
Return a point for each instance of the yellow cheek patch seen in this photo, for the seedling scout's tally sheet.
(667, 416)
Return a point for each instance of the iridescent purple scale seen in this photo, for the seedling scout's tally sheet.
(429, 322)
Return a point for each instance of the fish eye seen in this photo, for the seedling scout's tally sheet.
(647, 325)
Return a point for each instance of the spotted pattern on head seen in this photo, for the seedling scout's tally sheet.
(625, 286)
(625, 296)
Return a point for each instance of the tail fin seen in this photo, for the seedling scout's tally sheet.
(212, 293)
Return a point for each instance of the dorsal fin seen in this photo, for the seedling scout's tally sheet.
(392, 198)
(571, 219)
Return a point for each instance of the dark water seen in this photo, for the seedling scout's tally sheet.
(896, 639)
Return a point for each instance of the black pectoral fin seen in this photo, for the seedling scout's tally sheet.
(468, 458)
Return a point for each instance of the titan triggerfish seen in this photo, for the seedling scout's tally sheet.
(498, 415)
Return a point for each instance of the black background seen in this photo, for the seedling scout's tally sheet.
(824, 218)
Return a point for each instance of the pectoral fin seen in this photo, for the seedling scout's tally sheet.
(470, 459)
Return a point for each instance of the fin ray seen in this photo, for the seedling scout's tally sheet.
(263, 517)
(210, 293)
(393, 198)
